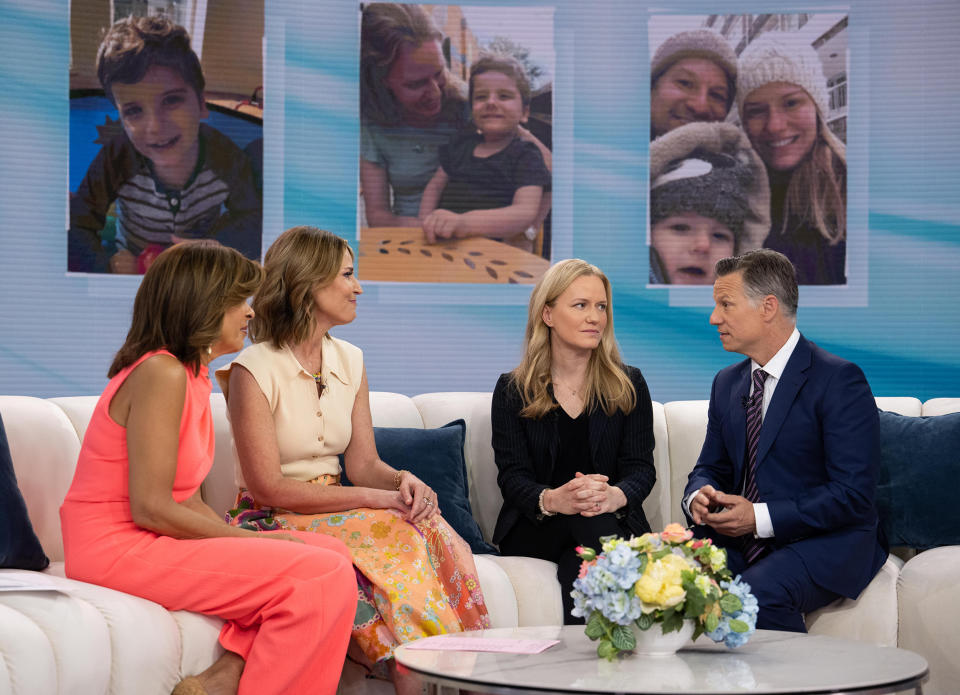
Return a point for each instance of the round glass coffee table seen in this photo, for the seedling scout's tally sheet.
(771, 662)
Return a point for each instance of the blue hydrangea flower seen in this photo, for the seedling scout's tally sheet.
(621, 607)
(747, 614)
(623, 564)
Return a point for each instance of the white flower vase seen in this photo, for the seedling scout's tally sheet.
(653, 642)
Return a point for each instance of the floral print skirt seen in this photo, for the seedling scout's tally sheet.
(414, 580)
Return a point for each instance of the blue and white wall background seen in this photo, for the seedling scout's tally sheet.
(901, 323)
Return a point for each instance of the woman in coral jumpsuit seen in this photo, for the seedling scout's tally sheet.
(134, 521)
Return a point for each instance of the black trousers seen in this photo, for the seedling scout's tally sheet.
(555, 539)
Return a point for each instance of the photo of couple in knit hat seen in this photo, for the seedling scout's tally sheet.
(748, 121)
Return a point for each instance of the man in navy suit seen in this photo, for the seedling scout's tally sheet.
(787, 475)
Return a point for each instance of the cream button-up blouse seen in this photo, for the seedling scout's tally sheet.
(311, 431)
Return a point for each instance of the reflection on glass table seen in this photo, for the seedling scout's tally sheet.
(771, 662)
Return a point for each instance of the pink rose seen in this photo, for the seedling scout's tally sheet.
(675, 533)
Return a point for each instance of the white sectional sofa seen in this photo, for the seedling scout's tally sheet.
(72, 637)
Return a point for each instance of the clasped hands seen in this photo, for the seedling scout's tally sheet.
(730, 515)
(586, 495)
(418, 498)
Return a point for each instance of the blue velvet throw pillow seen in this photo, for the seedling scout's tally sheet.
(919, 469)
(436, 457)
(19, 547)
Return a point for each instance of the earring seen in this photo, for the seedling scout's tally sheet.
(209, 349)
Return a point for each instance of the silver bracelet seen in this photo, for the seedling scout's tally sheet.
(543, 511)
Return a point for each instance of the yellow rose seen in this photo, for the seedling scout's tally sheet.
(661, 585)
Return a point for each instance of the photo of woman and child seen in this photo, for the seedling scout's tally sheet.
(448, 144)
(769, 173)
(150, 166)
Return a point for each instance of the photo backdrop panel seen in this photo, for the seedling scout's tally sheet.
(900, 323)
(166, 130)
(456, 129)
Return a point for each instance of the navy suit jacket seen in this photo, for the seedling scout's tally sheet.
(817, 463)
(525, 450)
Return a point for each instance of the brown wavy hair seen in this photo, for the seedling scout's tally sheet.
(607, 383)
(133, 45)
(386, 26)
(505, 64)
(301, 260)
(182, 300)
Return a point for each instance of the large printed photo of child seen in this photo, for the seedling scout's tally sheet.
(166, 133)
(781, 80)
(456, 135)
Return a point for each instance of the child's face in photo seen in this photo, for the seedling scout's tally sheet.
(161, 115)
(689, 245)
(497, 105)
(692, 89)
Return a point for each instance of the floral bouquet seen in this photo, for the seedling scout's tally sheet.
(663, 578)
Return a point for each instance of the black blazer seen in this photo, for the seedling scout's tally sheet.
(525, 450)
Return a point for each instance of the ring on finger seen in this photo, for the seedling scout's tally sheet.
(427, 501)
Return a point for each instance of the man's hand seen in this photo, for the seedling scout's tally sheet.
(735, 519)
(701, 504)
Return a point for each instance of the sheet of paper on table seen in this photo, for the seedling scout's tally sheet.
(481, 644)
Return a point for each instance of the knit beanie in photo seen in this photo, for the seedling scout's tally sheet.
(699, 43)
(710, 169)
(710, 184)
(781, 57)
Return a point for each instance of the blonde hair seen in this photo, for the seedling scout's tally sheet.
(386, 26)
(817, 192)
(301, 260)
(607, 385)
(182, 300)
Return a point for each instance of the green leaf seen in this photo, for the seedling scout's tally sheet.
(696, 602)
(712, 622)
(697, 630)
(672, 622)
(595, 628)
(645, 621)
(663, 552)
(730, 603)
(606, 650)
(738, 626)
(623, 638)
(643, 563)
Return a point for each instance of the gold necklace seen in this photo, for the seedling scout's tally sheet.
(573, 392)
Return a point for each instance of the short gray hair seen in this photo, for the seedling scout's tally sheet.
(765, 272)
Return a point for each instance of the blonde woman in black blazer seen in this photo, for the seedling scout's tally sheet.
(572, 428)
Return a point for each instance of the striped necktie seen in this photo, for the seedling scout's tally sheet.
(753, 547)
